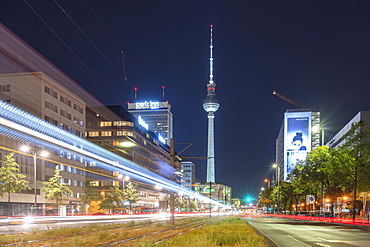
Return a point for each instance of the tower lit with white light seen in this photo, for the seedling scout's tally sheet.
(211, 105)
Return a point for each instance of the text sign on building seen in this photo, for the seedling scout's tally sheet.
(147, 105)
(142, 123)
(297, 139)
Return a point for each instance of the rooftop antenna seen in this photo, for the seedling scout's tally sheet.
(135, 89)
(163, 92)
(211, 58)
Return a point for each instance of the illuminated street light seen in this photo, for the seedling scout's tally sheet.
(268, 183)
(278, 183)
(158, 187)
(124, 178)
(43, 153)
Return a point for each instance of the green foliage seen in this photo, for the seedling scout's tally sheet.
(55, 190)
(338, 171)
(113, 199)
(12, 181)
(90, 194)
(130, 194)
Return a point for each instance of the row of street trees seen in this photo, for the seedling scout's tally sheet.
(12, 181)
(328, 173)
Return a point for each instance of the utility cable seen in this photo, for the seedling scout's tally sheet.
(91, 42)
(95, 76)
(116, 43)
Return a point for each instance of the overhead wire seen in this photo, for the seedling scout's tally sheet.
(91, 42)
(78, 58)
(118, 46)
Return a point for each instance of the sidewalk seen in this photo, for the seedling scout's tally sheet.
(332, 220)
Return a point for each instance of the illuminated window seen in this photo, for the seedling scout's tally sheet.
(123, 123)
(106, 133)
(102, 124)
(124, 133)
(93, 133)
(94, 183)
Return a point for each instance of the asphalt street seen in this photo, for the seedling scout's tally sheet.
(283, 232)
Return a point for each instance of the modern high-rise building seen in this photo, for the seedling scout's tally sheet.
(340, 138)
(157, 116)
(188, 174)
(211, 105)
(299, 134)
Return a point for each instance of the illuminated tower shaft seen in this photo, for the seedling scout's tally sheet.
(211, 105)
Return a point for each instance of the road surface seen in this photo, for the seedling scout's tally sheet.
(283, 232)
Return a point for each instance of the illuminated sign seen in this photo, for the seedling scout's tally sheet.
(147, 105)
(297, 139)
(142, 123)
(161, 139)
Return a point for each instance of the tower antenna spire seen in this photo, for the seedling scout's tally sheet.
(211, 56)
(211, 105)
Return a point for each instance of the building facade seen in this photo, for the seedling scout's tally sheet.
(298, 135)
(157, 116)
(339, 138)
(188, 174)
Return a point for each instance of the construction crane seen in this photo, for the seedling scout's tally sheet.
(290, 100)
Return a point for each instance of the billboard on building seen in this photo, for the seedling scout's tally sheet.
(297, 139)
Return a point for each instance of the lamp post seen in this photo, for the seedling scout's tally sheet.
(278, 183)
(43, 153)
(124, 178)
(268, 183)
(158, 187)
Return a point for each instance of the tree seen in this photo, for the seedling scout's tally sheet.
(55, 190)
(90, 194)
(10, 178)
(113, 199)
(130, 194)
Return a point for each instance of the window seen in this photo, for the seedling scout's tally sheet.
(123, 123)
(93, 133)
(125, 133)
(94, 183)
(106, 133)
(5, 88)
(103, 124)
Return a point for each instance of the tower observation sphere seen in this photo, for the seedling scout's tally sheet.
(211, 105)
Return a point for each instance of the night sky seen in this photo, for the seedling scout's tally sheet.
(315, 52)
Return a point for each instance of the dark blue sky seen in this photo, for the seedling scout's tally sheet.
(315, 52)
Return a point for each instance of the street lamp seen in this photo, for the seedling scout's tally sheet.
(124, 178)
(158, 187)
(278, 183)
(43, 153)
(268, 183)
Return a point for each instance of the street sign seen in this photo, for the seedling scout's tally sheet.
(310, 199)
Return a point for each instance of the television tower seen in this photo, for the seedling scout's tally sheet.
(211, 105)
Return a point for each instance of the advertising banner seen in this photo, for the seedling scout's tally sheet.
(297, 139)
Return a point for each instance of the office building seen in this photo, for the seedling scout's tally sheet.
(188, 174)
(157, 116)
(298, 135)
(339, 138)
